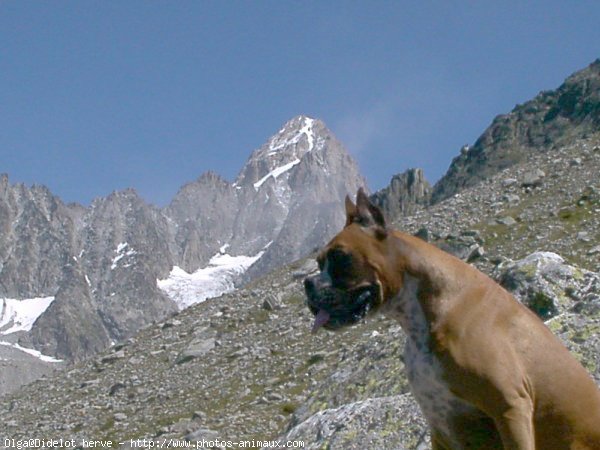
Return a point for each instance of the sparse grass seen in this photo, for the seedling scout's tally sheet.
(289, 408)
(561, 225)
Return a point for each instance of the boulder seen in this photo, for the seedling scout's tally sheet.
(547, 284)
(383, 422)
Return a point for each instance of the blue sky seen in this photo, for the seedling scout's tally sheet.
(97, 96)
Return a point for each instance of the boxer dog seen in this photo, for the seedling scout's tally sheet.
(485, 370)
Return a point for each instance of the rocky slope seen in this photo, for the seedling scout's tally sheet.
(552, 118)
(548, 202)
(245, 366)
(101, 264)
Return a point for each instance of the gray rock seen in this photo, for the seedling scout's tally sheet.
(507, 221)
(203, 341)
(239, 353)
(364, 424)
(112, 357)
(87, 383)
(511, 198)
(583, 236)
(274, 397)
(196, 349)
(508, 182)
(533, 178)
(268, 305)
(424, 234)
(464, 247)
(545, 283)
(116, 388)
(199, 416)
(575, 162)
(202, 433)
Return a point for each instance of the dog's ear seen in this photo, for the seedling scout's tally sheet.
(351, 211)
(366, 214)
(369, 213)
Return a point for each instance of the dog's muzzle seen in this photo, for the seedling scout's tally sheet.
(335, 308)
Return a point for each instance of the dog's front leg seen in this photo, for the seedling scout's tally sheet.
(515, 426)
(437, 442)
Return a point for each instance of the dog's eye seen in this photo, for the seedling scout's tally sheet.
(339, 258)
(340, 264)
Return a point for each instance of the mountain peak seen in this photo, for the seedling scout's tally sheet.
(282, 151)
(211, 177)
(300, 127)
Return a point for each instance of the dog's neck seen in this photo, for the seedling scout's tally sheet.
(431, 285)
(406, 308)
(430, 279)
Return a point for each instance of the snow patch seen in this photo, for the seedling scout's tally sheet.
(21, 314)
(123, 250)
(32, 352)
(307, 129)
(186, 289)
(276, 173)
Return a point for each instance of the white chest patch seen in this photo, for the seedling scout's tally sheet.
(425, 373)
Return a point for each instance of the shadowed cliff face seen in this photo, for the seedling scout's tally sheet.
(405, 193)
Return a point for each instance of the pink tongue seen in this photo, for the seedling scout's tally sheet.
(320, 319)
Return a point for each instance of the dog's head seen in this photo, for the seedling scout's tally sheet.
(350, 281)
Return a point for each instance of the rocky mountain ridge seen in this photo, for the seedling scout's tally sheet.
(101, 264)
(406, 192)
(552, 118)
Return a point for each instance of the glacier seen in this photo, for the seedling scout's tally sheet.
(21, 314)
(35, 353)
(218, 278)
